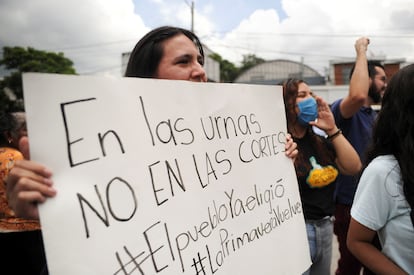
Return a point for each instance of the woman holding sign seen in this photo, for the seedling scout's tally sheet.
(317, 165)
(163, 53)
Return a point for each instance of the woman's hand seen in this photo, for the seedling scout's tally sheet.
(291, 150)
(28, 184)
(326, 120)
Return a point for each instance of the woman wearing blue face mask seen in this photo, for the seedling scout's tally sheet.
(317, 165)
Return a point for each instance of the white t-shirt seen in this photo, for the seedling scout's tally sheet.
(380, 205)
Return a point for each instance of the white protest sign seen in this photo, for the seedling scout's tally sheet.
(165, 177)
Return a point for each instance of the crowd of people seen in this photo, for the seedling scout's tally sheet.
(363, 196)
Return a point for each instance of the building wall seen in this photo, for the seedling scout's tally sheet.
(211, 66)
(341, 70)
(276, 71)
(391, 69)
(330, 93)
(341, 73)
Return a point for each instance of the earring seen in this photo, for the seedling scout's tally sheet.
(10, 140)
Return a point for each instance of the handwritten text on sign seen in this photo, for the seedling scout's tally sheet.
(168, 177)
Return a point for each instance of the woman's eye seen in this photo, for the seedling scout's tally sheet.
(183, 60)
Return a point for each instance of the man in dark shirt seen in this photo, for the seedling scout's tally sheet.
(355, 117)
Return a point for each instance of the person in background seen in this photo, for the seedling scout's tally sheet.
(355, 116)
(317, 166)
(164, 53)
(20, 239)
(384, 199)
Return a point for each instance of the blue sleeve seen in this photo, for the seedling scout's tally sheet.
(342, 123)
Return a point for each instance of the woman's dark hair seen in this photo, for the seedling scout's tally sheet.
(8, 124)
(290, 93)
(393, 132)
(148, 52)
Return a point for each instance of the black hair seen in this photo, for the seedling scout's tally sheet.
(148, 52)
(8, 124)
(371, 68)
(393, 132)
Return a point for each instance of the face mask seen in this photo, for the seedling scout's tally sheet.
(308, 111)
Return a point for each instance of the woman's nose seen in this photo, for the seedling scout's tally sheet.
(199, 73)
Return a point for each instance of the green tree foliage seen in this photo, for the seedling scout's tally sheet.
(250, 60)
(228, 71)
(19, 60)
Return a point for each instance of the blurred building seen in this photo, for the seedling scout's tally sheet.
(330, 87)
(275, 71)
(337, 83)
(211, 66)
(340, 69)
